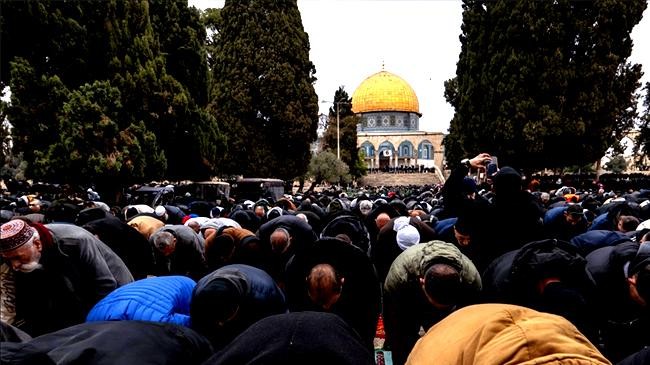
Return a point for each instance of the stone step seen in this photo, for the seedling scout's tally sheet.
(391, 179)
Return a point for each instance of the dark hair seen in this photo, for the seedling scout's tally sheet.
(629, 222)
(442, 282)
(214, 301)
(218, 250)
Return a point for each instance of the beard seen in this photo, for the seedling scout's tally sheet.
(32, 265)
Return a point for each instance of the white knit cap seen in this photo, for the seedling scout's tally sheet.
(407, 237)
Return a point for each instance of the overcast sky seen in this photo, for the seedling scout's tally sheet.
(416, 40)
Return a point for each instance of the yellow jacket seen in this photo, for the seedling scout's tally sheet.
(498, 334)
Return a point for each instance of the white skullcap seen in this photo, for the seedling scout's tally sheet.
(644, 225)
(160, 211)
(400, 222)
(407, 237)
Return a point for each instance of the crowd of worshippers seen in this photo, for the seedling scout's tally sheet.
(456, 276)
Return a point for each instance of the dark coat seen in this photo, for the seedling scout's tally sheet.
(301, 232)
(592, 240)
(556, 226)
(232, 245)
(253, 290)
(296, 338)
(109, 343)
(640, 358)
(302, 237)
(360, 301)
(188, 257)
(9, 333)
(351, 226)
(247, 219)
(622, 324)
(513, 278)
(78, 271)
(126, 242)
(515, 215)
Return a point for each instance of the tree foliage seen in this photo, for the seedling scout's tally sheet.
(64, 59)
(263, 88)
(617, 164)
(543, 83)
(324, 166)
(642, 143)
(348, 133)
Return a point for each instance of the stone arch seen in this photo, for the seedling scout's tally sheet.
(386, 145)
(405, 149)
(368, 149)
(425, 150)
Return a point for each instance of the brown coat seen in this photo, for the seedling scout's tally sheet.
(489, 334)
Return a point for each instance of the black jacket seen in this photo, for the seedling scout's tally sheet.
(513, 278)
(78, 270)
(622, 324)
(296, 338)
(109, 343)
(360, 301)
(126, 242)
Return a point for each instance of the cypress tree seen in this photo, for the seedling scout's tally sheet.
(263, 88)
(541, 83)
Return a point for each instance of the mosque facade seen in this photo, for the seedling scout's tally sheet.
(389, 132)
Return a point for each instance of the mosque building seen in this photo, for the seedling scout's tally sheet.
(389, 132)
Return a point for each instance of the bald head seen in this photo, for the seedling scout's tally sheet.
(324, 286)
(382, 219)
(280, 240)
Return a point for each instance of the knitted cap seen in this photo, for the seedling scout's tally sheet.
(14, 234)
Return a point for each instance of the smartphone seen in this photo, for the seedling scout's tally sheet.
(492, 167)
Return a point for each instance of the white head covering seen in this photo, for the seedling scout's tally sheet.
(407, 237)
(160, 211)
(400, 222)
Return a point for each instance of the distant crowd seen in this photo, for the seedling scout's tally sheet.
(542, 270)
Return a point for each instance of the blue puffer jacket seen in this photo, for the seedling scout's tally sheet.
(594, 239)
(161, 299)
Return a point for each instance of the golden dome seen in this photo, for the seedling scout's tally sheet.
(385, 91)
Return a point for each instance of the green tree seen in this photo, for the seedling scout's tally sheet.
(617, 164)
(263, 88)
(115, 42)
(182, 36)
(642, 142)
(541, 83)
(325, 167)
(91, 144)
(348, 133)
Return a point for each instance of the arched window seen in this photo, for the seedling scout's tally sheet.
(368, 149)
(386, 149)
(425, 150)
(406, 149)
